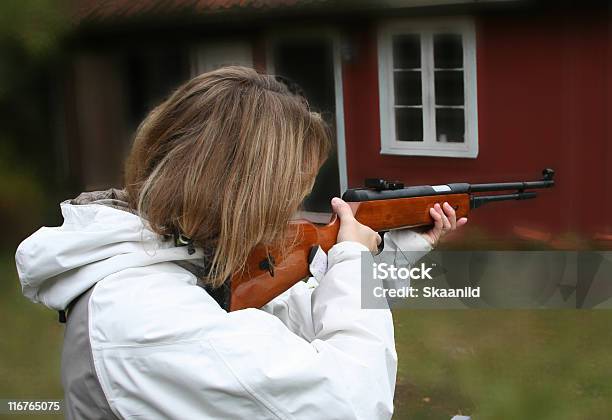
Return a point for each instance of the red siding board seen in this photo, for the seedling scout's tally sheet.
(544, 99)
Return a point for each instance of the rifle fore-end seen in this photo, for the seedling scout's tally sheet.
(398, 213)
(269, 273)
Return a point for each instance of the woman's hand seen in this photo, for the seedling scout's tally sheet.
(445, 220)
(351, 229)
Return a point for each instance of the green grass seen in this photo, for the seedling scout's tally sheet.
(490, 364)
(496, 364)
(30, 344)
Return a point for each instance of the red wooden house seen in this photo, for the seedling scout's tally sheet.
(421, 91)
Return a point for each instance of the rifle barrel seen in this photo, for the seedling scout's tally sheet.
(479, 200)
(505, 186)
(369, 194)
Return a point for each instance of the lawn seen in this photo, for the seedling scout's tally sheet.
(30, 347)
(491, 364)
(502, 364)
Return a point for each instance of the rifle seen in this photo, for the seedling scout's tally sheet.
(381, 205)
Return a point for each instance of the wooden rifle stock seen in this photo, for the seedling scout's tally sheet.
(270, 272)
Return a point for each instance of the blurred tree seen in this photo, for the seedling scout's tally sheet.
(30, 49)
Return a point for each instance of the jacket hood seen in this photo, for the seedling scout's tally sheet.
(100, 236)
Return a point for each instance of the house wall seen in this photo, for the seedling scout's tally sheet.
(544, 97)
(100, 123)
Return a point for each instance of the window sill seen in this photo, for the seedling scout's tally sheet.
(431, 152)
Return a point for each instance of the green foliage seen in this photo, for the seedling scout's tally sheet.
(23, 199)
(36, 25)
(30, 40)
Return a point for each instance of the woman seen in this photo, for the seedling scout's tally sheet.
(220, 167)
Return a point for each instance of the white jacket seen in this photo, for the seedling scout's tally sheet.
(163, 348)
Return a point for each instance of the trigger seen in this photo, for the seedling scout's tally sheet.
(381, 245)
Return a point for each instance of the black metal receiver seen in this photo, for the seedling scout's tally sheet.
(379, 189)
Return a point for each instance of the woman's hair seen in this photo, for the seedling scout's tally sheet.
(226, 160)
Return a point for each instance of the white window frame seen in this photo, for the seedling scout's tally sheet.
(429, 146)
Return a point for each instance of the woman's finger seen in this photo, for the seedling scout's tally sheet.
(438, 223)
(452, 216)
(462, 221)
(438, 208)
(445, 222)
(342, 209)
(434, 213)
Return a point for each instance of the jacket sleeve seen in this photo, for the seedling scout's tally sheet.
(407, 240)
(348, 369)
(294, 307)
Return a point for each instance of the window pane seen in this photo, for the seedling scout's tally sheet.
(409, 124)
(450, 125)
(448, 51)
(449, 87)
(406, 51)
(407, 87)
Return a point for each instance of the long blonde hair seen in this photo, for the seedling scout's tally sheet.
(225, 161)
